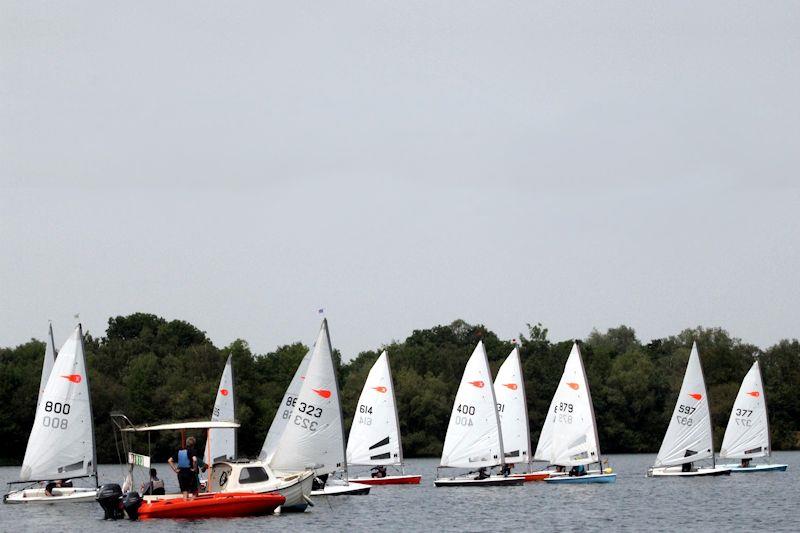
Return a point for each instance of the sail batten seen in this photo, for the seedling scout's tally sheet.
(474, 438)
(375, 434)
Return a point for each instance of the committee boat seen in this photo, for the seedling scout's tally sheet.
(747, 436)
(61, 444)
(575, 445)
(375, 434)
(313, 436)
(474, 439)
(689, 437)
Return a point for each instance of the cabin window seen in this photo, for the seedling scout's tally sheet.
(253, 474)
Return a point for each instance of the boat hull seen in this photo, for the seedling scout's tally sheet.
(342, 489)
(676, 471)
(492, 481)
(62, 495)
(216, 505)
(388, 480)
(532, 476)
(739, 469)
(296, 494)
(582, 480)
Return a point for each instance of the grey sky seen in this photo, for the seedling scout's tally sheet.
(401, 164)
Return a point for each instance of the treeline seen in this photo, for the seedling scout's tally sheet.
(156, 370)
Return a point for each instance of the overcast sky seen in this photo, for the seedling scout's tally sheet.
(400, 164)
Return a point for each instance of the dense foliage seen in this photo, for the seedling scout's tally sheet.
(158, 370)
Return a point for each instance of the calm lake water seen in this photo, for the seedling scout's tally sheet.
(744, 502)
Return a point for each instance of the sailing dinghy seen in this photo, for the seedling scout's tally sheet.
(474, 439)
(689, 437)
(375, 434)
(747, 435)
(313, 437)
(61, 444)
(574, 443)
(512, 407)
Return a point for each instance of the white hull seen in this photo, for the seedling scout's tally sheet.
(298, 492)
(491, 481)
(677, 471)
(737, 468)
(342, 488)
(63, 495)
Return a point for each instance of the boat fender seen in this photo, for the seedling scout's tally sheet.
(109, 497)
(131, 502)
(608, 470)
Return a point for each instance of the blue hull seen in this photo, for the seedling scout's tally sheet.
(758, 468)
(582, 480)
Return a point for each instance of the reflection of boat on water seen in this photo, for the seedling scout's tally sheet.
(61, 445)
(375, 434)
(474, 439)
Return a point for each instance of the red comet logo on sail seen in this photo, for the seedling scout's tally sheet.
(573, 386)
(697, 397)
(512, 386)
(380, 389)
(754, 394)
(224, 392)
(325, 393)
(75, 378)
(478, 384)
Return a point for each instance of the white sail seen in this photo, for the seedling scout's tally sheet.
(747, 434)
(542, 452)
(574, 428)
(284, 412)
(47, 364)
(473, 436)
(688, 436)
(314, 434)
(509, 390)
(61, 443)
(375, 433)
(221, 443)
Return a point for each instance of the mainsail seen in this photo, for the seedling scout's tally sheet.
(473, 436)
(314, 434)
(574, 439)
(747, 434)
(221, 443)
(284, 412)
(509, 390)
(61, 444)
(688, 436)
(375, 433)
(47, 364)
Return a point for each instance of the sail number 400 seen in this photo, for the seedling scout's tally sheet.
(467, 411)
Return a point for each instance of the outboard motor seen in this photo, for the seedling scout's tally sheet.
(131, 502)
(110, 499)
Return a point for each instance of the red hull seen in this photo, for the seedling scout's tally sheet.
(389, 480)
(533, 476)
(219, 505)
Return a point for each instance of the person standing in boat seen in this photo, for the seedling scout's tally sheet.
(184, 464)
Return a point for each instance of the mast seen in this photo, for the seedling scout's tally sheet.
(233, 400)
(494, 403)
(89, 400)
(591, 406)
(766, 411)
(338, 396)
(394, 404)
(525, 402)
